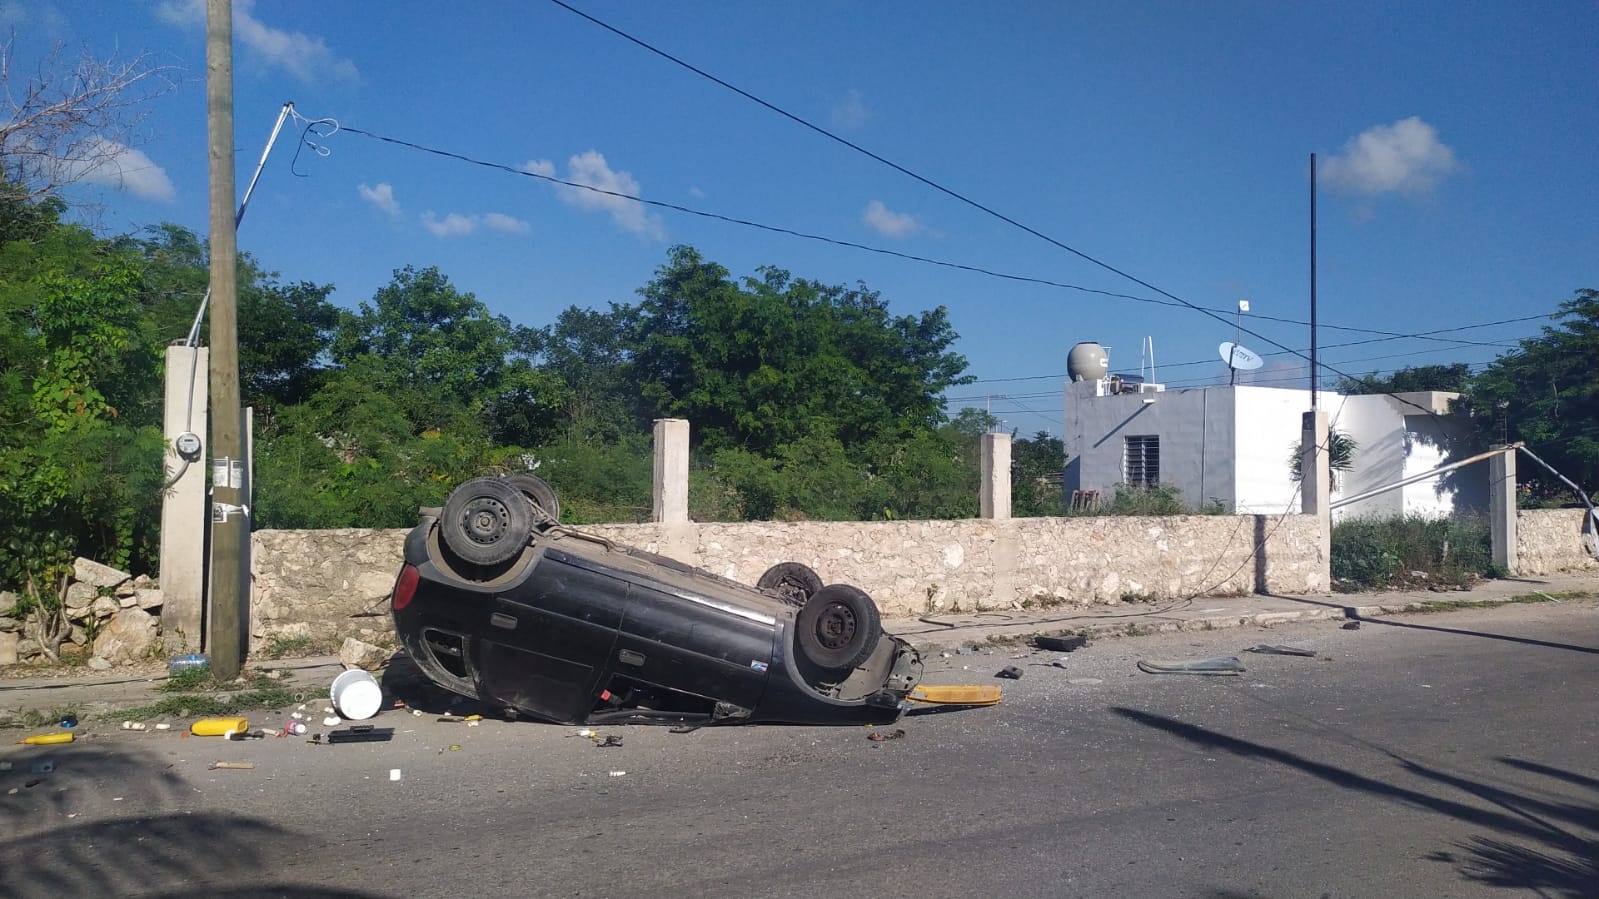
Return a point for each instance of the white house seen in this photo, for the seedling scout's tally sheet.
(1234, 446)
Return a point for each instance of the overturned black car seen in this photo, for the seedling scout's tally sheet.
(499, 602)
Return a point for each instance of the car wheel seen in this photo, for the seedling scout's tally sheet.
(792, 582)
(838, 627)
(486, 521)
(546, 507)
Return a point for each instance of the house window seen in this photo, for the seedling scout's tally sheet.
(1141, 461)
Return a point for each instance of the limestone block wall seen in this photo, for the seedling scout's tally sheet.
(313, 582)
(1549, 540)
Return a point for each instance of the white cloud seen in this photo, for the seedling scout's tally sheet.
(305, 56)
(43, 19)
(591, 169)
(499, 221)
(887, 223)
(452, 225)
(1406, 157)
(108, 163)
(850, 111)
(382, 197)
(457, 225)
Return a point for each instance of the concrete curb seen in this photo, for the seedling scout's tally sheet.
(962, 635)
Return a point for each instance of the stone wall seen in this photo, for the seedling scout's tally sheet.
(311, 583)
(1550, 540)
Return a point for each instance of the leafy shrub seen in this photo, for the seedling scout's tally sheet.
(1410, 551)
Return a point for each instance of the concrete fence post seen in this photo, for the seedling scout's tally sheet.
(1315, 489)
(993, 498)
(670, 492)
(185, 512)
(1502, 509)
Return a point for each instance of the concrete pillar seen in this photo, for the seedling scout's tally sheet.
(670, 493)
(994, 485)
(1315, 488)
(185, 510)
(1502, 509)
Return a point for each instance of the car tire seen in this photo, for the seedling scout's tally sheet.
(839, 626)
(547, 509)
(792, 582)
(487, 521)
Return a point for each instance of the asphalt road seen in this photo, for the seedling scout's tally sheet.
(1430, 755)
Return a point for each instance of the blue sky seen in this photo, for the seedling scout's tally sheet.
(1169, 140)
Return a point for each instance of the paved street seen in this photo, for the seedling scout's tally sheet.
(1450, 754)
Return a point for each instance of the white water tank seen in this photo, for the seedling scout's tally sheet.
(1087, 362)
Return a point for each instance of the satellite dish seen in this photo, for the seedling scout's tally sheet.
(1239, 357)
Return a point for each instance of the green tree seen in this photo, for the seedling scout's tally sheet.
(80, 458)
(1546, 393)
(777, 359)
(1453, 377)
(1036, 466)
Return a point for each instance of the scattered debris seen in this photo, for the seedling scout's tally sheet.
(1061, 644)
(69, 720)
(618, 774)
(880, 737)
(394, 774)
(219, 727)
(356, 694)
(1010, 672)
(612, 740)
(332, 721)
(958, 694)
(1084, 681)
(1351, 625)
(47, 739)
(1218, 665)
(455, 747)
(233, 766)
(362, 733)
(1276, 650)
(240, 735)
(43, 766)
(5, 766)
(1058, 663)
(133, 725)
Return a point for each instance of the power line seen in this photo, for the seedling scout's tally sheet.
(1086, 257)
(502, 167)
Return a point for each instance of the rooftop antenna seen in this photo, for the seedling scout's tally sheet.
(1237, 356)
(1147, 347)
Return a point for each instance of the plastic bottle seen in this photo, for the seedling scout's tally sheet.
(180, 663)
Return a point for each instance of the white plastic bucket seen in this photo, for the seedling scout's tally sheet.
(356, 694)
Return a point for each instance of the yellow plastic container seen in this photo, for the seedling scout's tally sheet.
(45, 739)
(219, 727)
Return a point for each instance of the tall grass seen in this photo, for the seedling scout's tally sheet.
(1410, 551)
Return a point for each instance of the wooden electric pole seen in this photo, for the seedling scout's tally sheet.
(230, 525)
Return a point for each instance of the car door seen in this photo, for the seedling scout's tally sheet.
(548, 639)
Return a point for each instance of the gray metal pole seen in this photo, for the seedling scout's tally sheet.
(229, 530)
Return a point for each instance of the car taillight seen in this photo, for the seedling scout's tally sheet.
(405, 587)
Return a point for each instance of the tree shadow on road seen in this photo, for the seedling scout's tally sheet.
(135, 838)
(1533, 846)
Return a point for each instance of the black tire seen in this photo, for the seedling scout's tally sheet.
(792, 582)
(541, 495)
(487, 521)
(838, 628)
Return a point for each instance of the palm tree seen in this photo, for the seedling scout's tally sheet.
(1340, 455)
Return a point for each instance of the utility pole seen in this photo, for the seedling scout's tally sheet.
(229, 528)
(1313, 360)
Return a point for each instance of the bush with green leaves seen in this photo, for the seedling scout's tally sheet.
(1410, 551)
